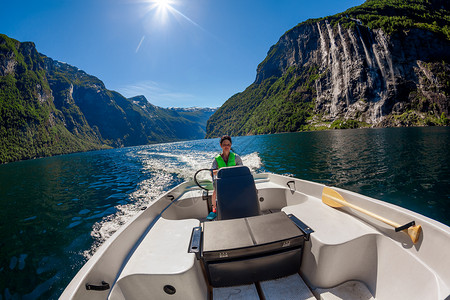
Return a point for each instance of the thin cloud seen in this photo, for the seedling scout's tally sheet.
(140, 43)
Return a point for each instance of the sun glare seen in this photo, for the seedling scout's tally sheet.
(163, 3)
(160, 8)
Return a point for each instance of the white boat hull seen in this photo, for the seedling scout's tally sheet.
(349, 252)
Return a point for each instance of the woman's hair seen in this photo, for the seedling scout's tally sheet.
(225, 137)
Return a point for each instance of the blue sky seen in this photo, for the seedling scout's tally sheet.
(180, 53)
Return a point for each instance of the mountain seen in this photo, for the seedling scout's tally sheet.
(384, 63)
(48, 107)
(179, 123)
(198, 115)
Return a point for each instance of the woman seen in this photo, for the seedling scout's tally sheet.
(225, 159)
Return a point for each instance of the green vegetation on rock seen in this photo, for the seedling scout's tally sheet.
(397, 15)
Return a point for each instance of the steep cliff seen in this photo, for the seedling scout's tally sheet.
(30, 124)
(384, 63)
(49, 107)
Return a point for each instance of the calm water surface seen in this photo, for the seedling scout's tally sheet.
(55, 212)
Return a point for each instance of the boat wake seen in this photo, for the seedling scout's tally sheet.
(162, 170)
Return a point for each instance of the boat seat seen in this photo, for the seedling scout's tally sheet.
(236, 193)
(162, 260)
(246, 250)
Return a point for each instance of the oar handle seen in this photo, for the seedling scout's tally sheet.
(364, 211)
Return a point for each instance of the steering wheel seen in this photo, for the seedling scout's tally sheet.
(204, 184)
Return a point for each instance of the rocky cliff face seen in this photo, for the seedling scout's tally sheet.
(364, 74)
(337, 72)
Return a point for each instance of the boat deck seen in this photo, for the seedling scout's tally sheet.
(292, 287)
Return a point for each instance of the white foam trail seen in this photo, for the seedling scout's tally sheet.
(166, 164)
(253, 161)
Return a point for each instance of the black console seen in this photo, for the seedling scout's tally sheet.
(246, 250)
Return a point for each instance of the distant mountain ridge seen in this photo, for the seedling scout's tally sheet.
(49, 107)
(383, 63)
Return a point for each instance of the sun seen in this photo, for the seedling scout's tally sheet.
(159, 10)
(162, 10)
(163, 4)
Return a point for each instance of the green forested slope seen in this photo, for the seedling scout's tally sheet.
(30, 125)
(397, 15)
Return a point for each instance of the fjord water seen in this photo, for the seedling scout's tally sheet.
(55, 212)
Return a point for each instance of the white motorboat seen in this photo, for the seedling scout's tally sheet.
(275, 237)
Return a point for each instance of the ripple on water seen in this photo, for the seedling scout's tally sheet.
(22, 258)
(43, 287)
(100, 215)
(18, 262)
(84, 211)
(13, 262)
(118, 195)
(73, 224)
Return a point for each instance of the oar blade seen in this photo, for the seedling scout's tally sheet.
(328, 196)
(414, 233)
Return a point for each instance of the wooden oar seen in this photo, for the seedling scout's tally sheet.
(334, 199)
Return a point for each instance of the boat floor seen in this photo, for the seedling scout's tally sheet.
(292, 287)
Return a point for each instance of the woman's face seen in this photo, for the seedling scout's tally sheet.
(226, 146)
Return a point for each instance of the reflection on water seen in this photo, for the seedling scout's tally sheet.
(55, 212)
(409, 167)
